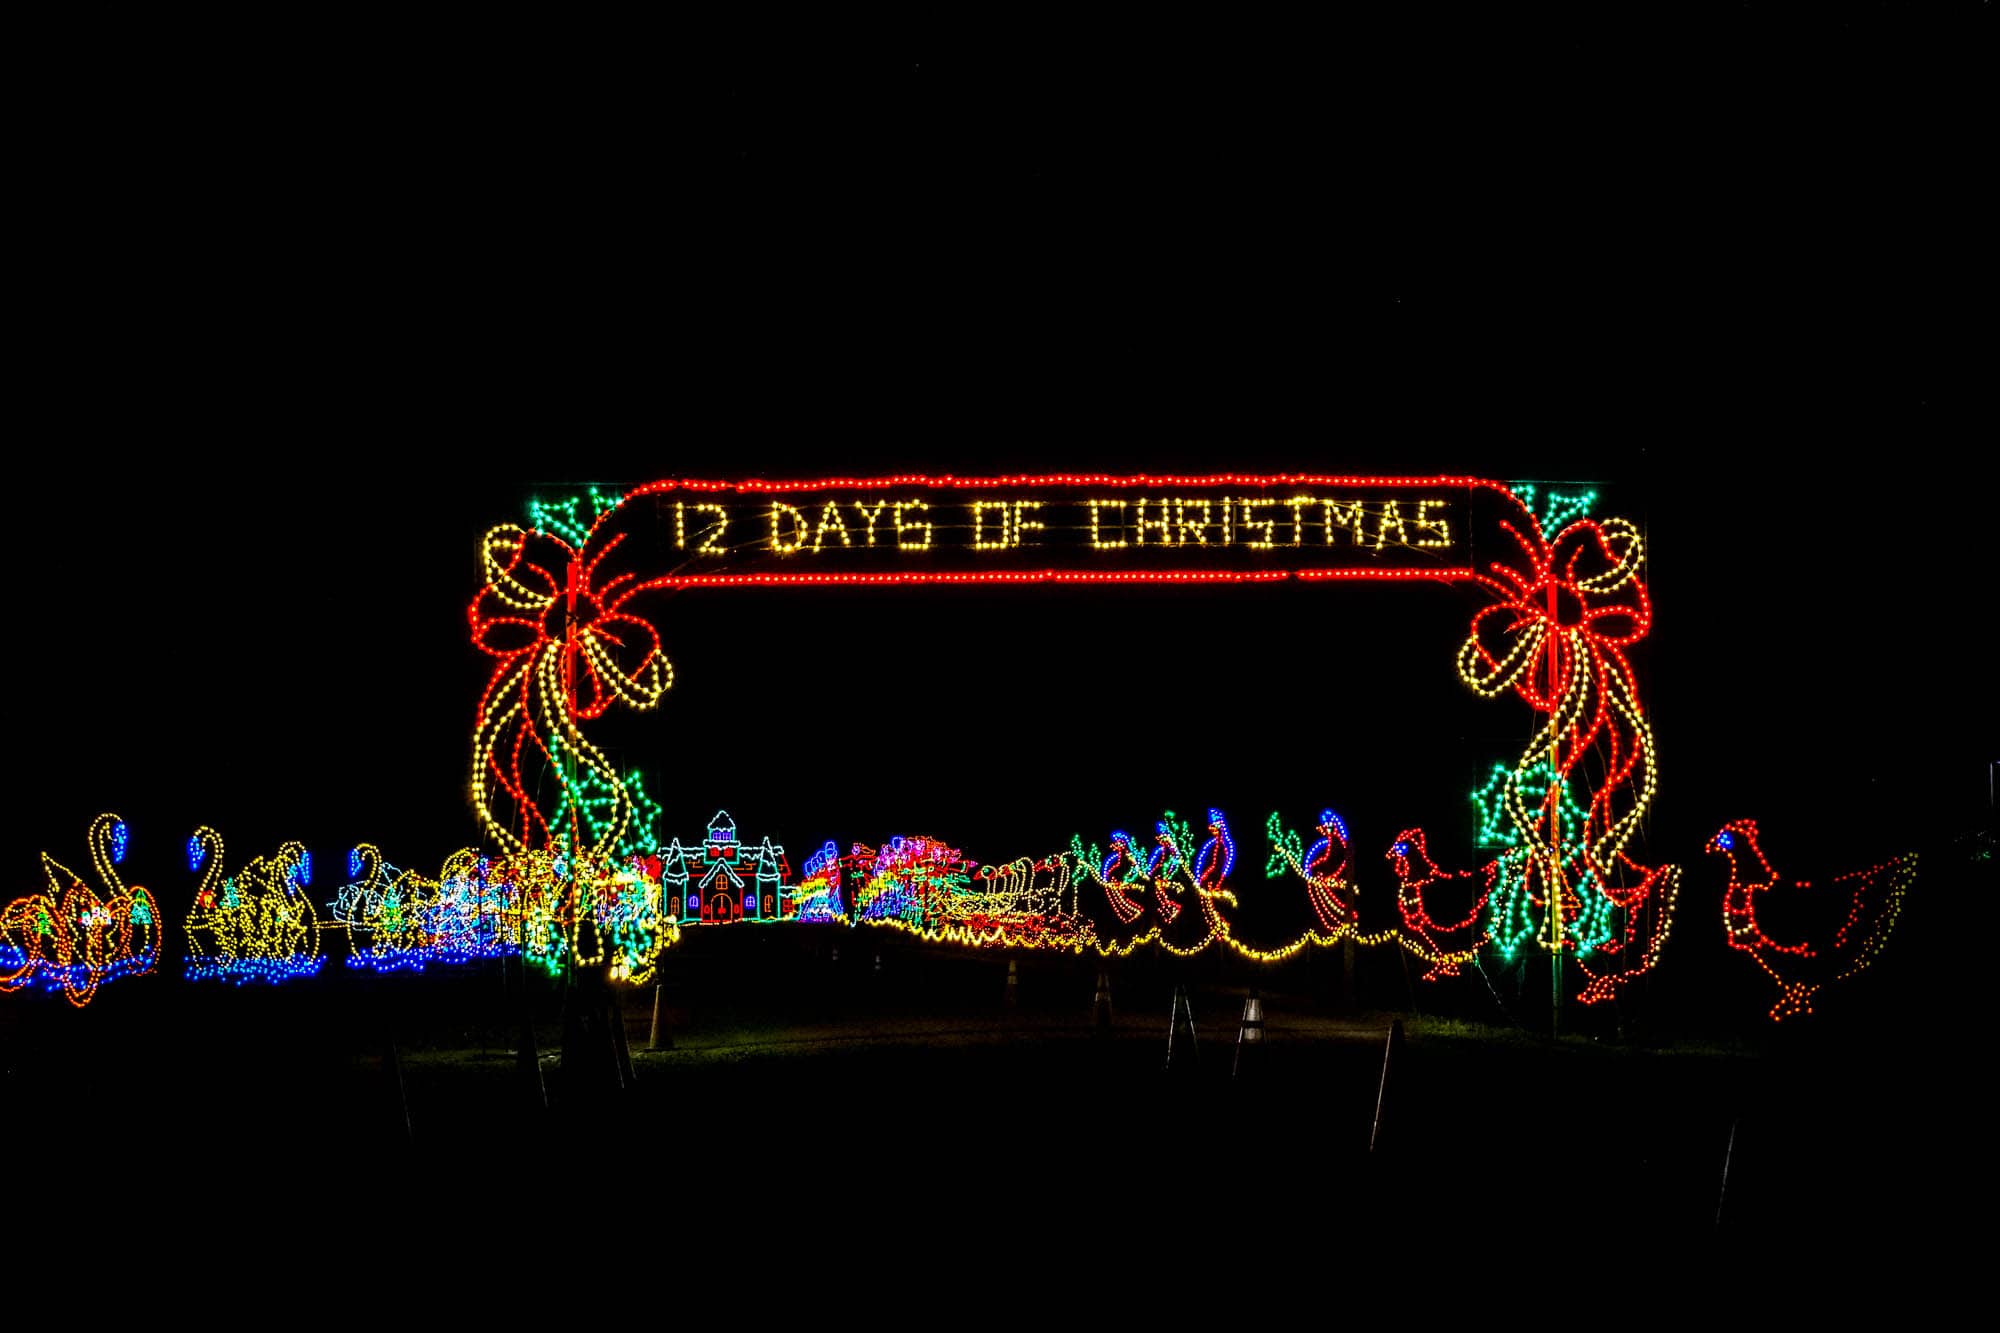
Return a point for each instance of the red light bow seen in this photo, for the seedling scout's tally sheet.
(567, 651)
(1566, 612)
(1578, 600)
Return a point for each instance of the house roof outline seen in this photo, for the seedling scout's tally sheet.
(674, 860)
(724, 868)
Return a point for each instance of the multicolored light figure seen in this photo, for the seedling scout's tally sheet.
(1454, 940)
(1866, 904)
(591, 804)
(259, 924)
(403, 921)
(1029, 902)
(476, 912)
(1178, 882)
(619, 919)
(1164, 864)
(1171, 881)
(913, 881)
(1120, 874)
(567, 651)
(1566, 608)
(559, 616)
(1209, 875)
(1216, 858)
(1568, 603)
(818, 897)
(1326, 867)
(1516, 915)
(531, 898)
(928, 888)
(723, 880)
(556, 910)
(73, 939)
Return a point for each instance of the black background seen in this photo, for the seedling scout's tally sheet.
(335, 302)
(303, 309)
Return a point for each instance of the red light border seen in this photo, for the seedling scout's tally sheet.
(900, 578)
(677, 582)
(758, 486)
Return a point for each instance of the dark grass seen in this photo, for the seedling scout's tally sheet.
(840, 1098)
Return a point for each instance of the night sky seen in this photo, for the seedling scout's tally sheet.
(302, 306)
(331, 315)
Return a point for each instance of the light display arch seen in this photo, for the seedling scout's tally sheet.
(566, 612)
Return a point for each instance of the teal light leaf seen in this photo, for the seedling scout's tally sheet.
(572, 517)
(1554, 509)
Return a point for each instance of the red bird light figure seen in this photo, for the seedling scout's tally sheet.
(1860, 907)
(1418, 883)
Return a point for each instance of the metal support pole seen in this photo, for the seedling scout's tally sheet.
(1555, 824)
(1728, 1153)
(1183, 1008)
(1395, 1044)
(660, 1026)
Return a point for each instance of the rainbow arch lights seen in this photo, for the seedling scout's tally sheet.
(74, 937)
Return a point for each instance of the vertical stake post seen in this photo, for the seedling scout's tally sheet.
(1555, 825)
(1389, 1050)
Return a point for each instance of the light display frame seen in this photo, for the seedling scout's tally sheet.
(558, 612)
(580, 880)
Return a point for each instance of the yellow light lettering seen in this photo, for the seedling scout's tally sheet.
(1343, 514)
(871, 515)
(1199, 529)
(1269, 525)
(711, 541)
(1441, 526)
(1022, 524)
(830, 520)
(1097, 541)
(1391, 514)
(680, 526)
(1160, 524)
(1298, 504)
(779, 509)
(902, 528)
(979, 542)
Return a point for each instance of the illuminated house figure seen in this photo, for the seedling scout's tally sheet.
(723, 880)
